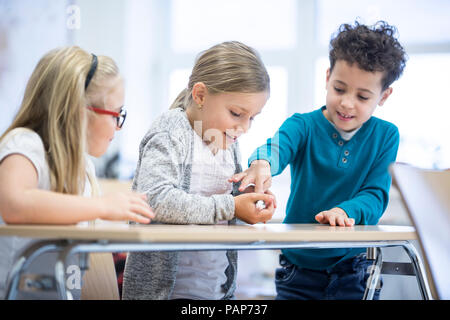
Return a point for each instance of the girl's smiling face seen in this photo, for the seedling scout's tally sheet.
(352, 95)
(224, 116)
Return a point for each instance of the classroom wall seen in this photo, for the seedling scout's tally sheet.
(28, 29)
(141, 35)
(129, 31)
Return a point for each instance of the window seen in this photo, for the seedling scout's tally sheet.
(420, 108)
(199, 24)
(418, 21)
(22, 24)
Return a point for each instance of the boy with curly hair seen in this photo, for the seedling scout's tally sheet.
(339, 157)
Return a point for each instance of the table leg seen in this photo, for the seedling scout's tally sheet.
(374, 272)
(24, 261)
(419, 270)
(60, 267)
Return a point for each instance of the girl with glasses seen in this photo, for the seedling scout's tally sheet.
(72, 107)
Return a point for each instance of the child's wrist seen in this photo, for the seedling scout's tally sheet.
(101, 208)
(260, 162)
(340, 211)
(237, 200)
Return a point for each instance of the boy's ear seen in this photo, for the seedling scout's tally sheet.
(199, 92)
(328, 77)
(386, 93)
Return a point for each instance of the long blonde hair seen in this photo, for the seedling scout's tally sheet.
(54, 107)
(226, 67)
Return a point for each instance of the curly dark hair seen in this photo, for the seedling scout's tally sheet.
(373, 48)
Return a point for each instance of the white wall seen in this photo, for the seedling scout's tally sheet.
(28, 30)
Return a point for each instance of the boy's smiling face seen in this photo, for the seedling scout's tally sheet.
(352, 95)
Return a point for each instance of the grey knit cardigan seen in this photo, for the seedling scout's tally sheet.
(163, 173)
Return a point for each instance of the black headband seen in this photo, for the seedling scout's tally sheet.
(91, 71)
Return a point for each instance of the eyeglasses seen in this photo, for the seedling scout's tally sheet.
(120, 116)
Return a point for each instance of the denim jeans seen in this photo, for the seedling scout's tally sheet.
(345, 281)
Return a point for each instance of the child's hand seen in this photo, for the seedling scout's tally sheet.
(246, 210)
(274, 198)
(251, 189)
(258, 174)
(129, 206)
(335, 216)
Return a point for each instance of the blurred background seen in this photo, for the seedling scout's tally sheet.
(155, 43)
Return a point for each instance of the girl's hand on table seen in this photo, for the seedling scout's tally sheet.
(129, 206)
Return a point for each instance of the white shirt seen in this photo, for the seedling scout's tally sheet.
(345, 135)
(201, 274)
(29, 144)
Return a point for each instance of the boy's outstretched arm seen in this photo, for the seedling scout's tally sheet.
(271, 158)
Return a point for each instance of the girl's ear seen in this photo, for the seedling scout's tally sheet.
(386, 93)
(199, 92)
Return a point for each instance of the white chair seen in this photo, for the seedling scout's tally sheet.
(426, 196)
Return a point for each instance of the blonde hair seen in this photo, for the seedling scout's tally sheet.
(226, 67)
(54, 107)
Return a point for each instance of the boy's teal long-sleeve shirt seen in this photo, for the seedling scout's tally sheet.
(328, 172)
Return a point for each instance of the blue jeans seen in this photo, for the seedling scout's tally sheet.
(345, 281)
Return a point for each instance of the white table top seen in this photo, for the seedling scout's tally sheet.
(213, 233)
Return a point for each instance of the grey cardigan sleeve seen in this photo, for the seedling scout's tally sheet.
(163, 163)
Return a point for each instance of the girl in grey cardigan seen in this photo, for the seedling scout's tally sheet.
(185, 162)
